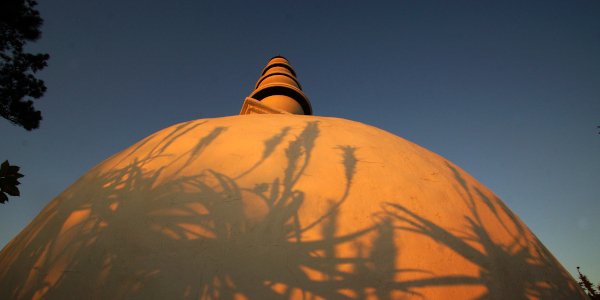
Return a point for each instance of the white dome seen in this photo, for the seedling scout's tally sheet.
(278, 207)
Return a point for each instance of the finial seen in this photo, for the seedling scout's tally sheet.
(277, 91)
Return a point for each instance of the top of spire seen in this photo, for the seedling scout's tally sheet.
(278, 91)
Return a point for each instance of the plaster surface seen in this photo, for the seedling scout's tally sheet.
(278, 206)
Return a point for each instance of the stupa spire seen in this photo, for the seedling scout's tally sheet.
(277, 91)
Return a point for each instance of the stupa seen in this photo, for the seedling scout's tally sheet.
(276, 203)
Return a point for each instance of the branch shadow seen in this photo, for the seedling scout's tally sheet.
(129, 240)
(520, 269)
(126, 234)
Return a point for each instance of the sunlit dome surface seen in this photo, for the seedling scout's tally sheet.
(278, 206)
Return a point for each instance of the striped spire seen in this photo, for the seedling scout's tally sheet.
(278, 88)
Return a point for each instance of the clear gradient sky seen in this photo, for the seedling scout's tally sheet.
(508, 90)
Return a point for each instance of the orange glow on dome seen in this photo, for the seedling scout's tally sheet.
(278, 205)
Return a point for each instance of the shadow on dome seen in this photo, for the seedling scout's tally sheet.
(138, 233)
(532, 272)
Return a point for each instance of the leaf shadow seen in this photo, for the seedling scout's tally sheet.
(126, 234)
(520, 269)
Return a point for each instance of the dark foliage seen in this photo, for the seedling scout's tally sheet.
(588, 287)
(9, 176)
(19, 24)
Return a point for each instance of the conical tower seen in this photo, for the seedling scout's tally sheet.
(277, 91)
(277, 204)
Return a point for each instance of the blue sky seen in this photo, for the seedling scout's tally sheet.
(508, 90)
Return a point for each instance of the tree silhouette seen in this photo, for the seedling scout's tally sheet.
(19, 24)
(9, 179)
(588, 287)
